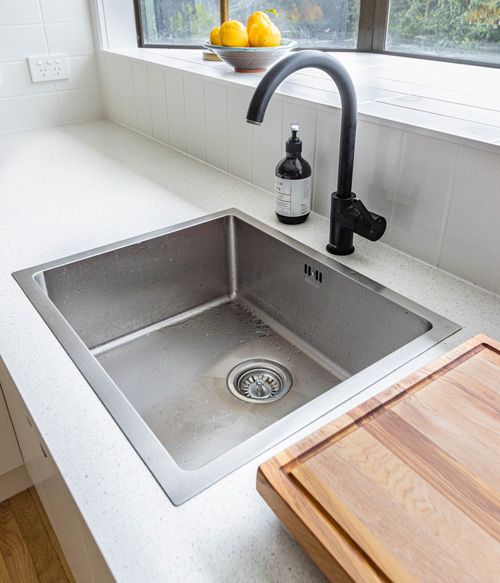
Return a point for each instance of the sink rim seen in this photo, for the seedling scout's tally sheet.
(180, 484)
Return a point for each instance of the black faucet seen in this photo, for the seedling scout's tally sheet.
(348, 214)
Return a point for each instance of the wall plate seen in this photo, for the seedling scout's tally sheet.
(48, 68)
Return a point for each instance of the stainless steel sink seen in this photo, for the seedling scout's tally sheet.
(210, 341)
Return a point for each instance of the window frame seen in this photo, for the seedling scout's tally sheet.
(372, 35)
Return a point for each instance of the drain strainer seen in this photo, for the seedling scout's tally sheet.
(259, 381)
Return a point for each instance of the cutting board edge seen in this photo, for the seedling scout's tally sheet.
(313, 541)
(277, 486)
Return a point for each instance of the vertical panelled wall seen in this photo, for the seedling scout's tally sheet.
(442, 198)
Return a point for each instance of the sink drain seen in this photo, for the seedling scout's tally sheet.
(259, 381)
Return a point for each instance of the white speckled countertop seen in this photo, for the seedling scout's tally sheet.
(68, 189)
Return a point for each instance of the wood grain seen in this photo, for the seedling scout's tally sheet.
(4, 572)
(51, 535)
(45, 559)
(406, 486)
(13, 548)
(27, 552)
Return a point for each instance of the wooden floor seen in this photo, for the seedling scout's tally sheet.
(29, 549)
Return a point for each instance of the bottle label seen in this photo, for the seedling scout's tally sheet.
(293, 197)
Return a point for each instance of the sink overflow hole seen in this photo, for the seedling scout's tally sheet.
(315, 273)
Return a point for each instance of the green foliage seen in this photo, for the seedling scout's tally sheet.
(192, 19)
(184, 20)
(447, 22)
(312, 21)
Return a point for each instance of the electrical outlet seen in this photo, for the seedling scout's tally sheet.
(48, 68)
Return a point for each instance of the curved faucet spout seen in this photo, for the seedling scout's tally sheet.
(348, 214)
(318, 60)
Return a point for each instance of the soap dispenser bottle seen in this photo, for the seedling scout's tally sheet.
(293, 183)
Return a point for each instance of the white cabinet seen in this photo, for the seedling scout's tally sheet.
(10, 456)
(13, 475)
(80, 550)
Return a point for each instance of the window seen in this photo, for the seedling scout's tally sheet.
(451, 29)
(172, 22)
(313, 23)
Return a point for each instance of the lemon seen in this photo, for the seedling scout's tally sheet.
(264, 34)
(233, 34)
(255, 18)
(215, 36)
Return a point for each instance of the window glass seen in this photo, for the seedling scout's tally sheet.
(178, 21)
(314, 23)
(460, 29)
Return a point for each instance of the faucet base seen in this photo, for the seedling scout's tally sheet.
(334, 250)
(341, 234)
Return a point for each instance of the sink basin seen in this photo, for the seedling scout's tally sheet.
(211, 341)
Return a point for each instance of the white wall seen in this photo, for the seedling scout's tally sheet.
(37, 27)
(441, 197)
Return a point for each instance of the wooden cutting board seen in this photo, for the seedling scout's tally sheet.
(406, 487)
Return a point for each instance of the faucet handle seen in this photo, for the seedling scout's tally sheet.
(368, 224)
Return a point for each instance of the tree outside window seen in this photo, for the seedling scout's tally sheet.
(455, 28)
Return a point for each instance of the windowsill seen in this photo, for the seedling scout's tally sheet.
(457, 101)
